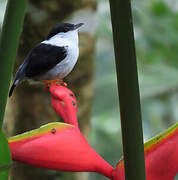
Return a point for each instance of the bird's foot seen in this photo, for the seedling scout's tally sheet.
(61, 82)
(56, 81)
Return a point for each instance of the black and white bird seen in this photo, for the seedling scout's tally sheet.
(54, 58)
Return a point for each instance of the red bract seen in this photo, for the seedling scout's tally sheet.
(59, 146)
(64, 103)
(161, 157)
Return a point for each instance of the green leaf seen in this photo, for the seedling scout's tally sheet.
(5, 158)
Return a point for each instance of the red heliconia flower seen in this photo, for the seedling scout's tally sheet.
(59, 146)
(161, 157)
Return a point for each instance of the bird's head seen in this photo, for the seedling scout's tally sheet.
(64, 29)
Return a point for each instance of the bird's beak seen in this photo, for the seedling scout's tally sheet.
(78, 25)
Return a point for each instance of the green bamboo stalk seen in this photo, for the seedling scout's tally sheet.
(128, 89)
(11, 29)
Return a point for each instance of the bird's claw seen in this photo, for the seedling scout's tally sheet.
(61, 82)
(51, 82)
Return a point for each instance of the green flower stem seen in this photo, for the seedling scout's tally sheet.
(128, 89)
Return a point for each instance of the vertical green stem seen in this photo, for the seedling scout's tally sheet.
(11, 29)
(128, 89)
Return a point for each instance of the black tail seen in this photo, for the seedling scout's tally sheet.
(12, 89)
(18, 77)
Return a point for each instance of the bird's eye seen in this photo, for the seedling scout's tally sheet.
(66, 29)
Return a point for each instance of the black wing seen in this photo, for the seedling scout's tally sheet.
(42, 58)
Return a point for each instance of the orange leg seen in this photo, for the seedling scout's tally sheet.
(61, 82)
(55, 81)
